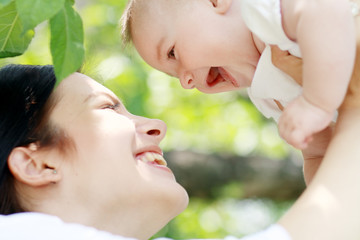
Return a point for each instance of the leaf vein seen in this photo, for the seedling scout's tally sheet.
(10, 31)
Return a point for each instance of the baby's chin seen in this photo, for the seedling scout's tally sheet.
(219, 89)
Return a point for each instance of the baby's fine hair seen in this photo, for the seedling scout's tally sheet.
(125, 22)
(127, 17)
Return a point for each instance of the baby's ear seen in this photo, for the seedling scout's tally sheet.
(30, 168)
(221, 6)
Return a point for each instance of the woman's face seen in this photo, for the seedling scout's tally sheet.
(117, 164)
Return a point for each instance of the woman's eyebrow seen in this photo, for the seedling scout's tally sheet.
(98, 94)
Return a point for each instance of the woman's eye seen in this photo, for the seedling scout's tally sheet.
(171, 53)
(112, 106)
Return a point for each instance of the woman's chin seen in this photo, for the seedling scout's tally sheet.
(176, 201)
(181, 201)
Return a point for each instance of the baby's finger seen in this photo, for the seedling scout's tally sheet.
(282, 126)
(285, 131)
(298, 139)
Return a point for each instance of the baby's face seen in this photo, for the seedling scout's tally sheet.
(206, 49)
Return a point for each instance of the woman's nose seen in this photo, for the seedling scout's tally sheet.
(154, 128)
(187, 81)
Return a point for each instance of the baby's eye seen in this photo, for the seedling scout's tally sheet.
(171, 53)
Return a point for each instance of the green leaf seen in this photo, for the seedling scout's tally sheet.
(12, 41)
(3, 3)
(67, 41)
(33, 12)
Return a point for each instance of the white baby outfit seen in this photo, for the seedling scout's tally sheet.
(263, 18)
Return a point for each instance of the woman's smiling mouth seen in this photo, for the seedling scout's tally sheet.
(152, 157)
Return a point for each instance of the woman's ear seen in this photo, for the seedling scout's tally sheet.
(221, 6)
(30, 168)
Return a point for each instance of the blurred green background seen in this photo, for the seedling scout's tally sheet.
(240, 175)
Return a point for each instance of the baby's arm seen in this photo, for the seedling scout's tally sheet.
(314, 153)
(325, 32)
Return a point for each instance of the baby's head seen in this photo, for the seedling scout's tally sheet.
(204, 43)
(144, 13)
(127, 17)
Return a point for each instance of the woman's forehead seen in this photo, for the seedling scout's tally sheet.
(80, 86)
(77, 93)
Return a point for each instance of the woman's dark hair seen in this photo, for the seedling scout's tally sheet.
(24, 106)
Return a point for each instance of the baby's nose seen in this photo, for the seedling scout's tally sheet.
(187, 81)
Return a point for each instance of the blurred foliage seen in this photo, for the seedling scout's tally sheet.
(225, 122)
(18, 18)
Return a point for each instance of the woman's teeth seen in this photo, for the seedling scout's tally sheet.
(152, 157)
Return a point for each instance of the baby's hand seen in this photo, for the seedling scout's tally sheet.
(300, 120)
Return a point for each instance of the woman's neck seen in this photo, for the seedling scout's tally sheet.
(127, 222)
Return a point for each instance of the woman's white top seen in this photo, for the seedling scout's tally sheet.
(263, 18)
(24, 226)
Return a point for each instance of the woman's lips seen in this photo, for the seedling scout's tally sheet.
(217, 75)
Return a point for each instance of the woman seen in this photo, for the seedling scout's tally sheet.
(77, 149)
(77, 156)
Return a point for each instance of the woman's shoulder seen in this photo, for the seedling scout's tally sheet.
(40, 226)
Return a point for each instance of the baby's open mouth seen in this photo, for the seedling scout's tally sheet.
(214, 77)
(217, 75)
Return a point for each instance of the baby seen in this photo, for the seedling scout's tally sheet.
(224, 45)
